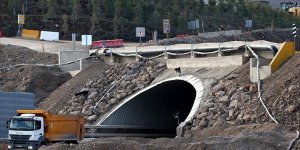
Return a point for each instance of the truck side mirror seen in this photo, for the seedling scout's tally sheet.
(7, 123)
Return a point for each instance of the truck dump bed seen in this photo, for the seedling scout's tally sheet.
(64, 128)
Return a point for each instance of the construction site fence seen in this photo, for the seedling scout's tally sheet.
(107, 43)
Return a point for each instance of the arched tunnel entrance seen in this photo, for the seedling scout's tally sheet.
(154, 112)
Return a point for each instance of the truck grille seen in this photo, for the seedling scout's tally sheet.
(20, 139)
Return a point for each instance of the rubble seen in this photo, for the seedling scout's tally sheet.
(276, 35)
(239, 104)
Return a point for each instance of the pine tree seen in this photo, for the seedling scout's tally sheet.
(12, 5)
(116, 20)
(42, 4)
(65, 26)
(75, 12)
(67, 7)
(95, 17)
(138, 15)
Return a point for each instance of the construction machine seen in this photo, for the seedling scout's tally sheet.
(291, 7)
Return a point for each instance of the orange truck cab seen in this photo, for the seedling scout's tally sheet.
(30, 129)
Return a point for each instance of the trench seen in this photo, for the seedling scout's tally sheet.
(154, 112)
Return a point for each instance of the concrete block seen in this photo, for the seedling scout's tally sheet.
(68, 56)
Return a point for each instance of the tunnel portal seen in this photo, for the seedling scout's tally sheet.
(154, 112)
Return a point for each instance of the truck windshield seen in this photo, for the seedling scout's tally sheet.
(21, 124)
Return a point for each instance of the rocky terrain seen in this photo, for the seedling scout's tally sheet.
(112, 85)
(233, 100)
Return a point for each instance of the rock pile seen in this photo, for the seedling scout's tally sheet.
(115, 84)
(234, 99)
(225, 102)
(277, 35)
(225, 105)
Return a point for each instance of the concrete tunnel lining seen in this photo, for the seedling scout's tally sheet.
(156, 105)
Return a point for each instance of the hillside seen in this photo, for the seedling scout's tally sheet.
(231, 116)
(109, 19)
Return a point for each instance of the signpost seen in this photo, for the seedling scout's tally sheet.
(21, 22)
(140, 32)
(197, 25)
(248, 24)
(21, 19)
(73, 40)
(294, 35)
(166, 27)
(194, 24)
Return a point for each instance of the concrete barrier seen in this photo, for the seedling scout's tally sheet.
(49, 36)
(284, 53)
(68, 56)
(31, 34)
(209, 62)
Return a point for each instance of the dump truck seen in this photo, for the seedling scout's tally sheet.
(30, 129)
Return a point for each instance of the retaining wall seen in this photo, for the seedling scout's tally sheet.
(210, 62)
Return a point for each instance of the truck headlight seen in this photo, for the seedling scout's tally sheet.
(30, 147)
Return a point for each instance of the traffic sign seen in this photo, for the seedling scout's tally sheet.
(166, 26)
(86, 40)
(140, 32)
(248, 23)
(21, 19)
(197, 24)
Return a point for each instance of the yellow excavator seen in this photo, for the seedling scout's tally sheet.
(291, 7)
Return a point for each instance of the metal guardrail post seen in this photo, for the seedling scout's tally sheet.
(166, 53)
(111, 56)
(219, 51)
(136, 54)
(192, 51)
(247, 52)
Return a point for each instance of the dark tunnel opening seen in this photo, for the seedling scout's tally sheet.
(153, 111)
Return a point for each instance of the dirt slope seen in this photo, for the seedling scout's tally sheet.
(39, 80)
(251, 137)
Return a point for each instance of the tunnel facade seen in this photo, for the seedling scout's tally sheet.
(156, 110)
